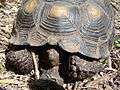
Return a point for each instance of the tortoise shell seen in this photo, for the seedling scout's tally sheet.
(81, 26)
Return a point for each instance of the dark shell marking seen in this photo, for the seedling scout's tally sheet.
(85, 27)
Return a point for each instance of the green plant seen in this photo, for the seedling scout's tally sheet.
(117, 43)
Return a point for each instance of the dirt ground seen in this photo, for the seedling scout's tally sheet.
(105, 80)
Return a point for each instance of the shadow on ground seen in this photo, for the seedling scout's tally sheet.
(44, 84)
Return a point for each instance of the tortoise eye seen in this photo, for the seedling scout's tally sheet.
(94, 11)
(59, 11)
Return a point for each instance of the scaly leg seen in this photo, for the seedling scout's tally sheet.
(37, 75)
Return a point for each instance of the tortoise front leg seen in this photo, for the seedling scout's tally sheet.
(37, 75)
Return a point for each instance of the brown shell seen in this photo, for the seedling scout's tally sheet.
(85, 27)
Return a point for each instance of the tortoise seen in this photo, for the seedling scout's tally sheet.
(60, 29)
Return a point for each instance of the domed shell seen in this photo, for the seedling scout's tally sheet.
(85, 27)
(97, 30)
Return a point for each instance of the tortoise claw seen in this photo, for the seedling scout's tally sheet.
(71, 86)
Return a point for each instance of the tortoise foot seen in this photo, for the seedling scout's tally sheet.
(72, 86)
(52, 74)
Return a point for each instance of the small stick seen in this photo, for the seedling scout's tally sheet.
(37, 76)
(110, 65)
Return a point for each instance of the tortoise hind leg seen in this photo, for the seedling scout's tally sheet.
(19, 60)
